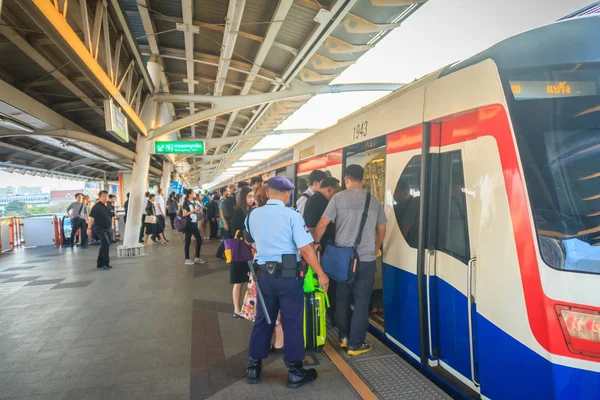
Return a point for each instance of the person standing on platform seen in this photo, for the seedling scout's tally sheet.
(314, 180)
(223, 221)
(256, 183)
(213, 216)
(280, 237)
(101, 219)
(126, 206)
(143, 227)
(76, 211)
(161, 211)
(238, 271)
(345, 209)
(111, 208)
(172, 209)
(190, 212)
(315, 207)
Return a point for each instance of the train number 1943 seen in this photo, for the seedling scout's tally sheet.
(360, 130)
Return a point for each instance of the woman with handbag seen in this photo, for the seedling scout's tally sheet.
(153, 229)
(238, 271)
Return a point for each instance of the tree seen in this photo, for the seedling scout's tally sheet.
(37, 210)
(16, 209)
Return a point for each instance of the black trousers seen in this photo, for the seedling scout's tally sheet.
(192, 230)
(160, 226)
(286, 296)
(221, 250)
(103, 258)
(214, 227)
(355, 325)
(141, 239)
(172, 217)
(78, 223)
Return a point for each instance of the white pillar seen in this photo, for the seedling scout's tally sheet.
(139, 178)
(141, 166)
(166, 177)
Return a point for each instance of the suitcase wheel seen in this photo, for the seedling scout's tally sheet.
(319, 349)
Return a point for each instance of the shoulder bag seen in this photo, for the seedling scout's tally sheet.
(236, 249)
(339, 263)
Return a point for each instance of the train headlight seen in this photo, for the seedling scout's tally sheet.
(581, 328)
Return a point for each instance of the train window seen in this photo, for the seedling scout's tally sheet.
(452, 224)
(556, 119)
(407, 201)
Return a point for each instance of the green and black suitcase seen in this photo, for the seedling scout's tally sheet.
(315, 320)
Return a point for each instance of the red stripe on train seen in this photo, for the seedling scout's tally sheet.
(493, 121)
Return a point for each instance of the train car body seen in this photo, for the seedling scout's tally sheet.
(489, 171)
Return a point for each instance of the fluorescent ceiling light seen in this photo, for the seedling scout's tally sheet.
(67, 146)
(10, 123)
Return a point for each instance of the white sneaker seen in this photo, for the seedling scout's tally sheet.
(198, 261)
(189, 262)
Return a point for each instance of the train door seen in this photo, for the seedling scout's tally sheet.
(371, 156)
(449, 245)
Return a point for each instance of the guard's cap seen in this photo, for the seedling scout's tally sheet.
(280, 183)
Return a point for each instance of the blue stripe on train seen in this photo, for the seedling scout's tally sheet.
(507, 369)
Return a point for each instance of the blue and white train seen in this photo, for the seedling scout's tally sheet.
(489, 170)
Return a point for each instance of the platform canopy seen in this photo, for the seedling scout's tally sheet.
(204, 47)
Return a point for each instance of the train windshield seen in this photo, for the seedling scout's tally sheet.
(556, 118)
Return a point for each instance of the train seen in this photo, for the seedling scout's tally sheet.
(489, 173)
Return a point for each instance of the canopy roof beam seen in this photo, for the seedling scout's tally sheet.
(280, 14)
(227, 104)
(230, 35)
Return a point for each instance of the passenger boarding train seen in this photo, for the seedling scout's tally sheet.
(489, 171)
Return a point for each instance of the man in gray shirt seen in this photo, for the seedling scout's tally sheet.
(346, 209)
(77, 212)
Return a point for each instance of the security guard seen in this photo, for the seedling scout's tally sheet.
(281, 237)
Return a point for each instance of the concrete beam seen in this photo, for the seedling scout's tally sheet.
(234, 18)
(280, 14)
(227, 104)
(215, 142)
(47, 17)
(44, 63)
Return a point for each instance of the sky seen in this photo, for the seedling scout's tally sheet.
(47, 184)
(439, 33)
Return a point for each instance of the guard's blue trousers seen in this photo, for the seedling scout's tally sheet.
(287, 296)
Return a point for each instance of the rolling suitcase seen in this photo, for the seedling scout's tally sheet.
(315, 321)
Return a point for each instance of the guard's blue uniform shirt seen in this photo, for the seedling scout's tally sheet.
(277, 230)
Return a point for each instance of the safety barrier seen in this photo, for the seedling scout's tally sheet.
(44, 230)
(7, 234)
(31, 231)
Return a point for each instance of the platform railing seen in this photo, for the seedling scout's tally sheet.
(30, 231)
(41, 230)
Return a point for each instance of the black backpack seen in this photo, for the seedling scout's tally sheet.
(229, 207)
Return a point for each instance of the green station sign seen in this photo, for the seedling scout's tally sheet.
(196, 147)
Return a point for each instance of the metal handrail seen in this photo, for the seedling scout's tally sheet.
(470, 316)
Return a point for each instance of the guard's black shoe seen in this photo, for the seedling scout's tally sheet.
(253, 371)
(298, 376)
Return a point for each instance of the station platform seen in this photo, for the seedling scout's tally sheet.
(154, 328)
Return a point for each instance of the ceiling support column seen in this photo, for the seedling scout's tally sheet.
(166, 178)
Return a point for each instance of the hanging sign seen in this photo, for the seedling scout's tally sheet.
(116, 121)
(187, 147)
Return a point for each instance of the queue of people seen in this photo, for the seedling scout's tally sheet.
(281, 237)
